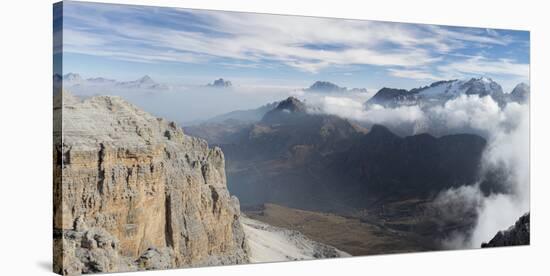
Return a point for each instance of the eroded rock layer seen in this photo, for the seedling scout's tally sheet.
(132, 191)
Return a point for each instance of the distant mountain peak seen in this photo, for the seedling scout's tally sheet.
(391, 91)
(325, 86)
(291, 104)
(521, 88)
(220, 83)
(100, 80)
(72, 77)
(146, 79)
(481, 86)
(390, 96)
(520, 93)
(437, 83)
(145, 82)
(291, 107)
(522, 85)
(483, 79)
(75, 80)
(439, 92)
(329, 87)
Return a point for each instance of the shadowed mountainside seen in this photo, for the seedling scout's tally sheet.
(324, 162)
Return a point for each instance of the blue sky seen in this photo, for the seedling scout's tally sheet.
(196, 46)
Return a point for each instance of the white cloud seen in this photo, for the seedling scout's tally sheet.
(507, 132)
(493, 37)
(255, 38)
(469, 112)
(483, 66)
(465, 114)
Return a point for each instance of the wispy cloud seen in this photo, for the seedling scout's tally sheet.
(482, 65)
(246, 40)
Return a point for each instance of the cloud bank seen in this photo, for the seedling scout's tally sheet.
(507, 132)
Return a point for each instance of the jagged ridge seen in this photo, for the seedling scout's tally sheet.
(517, 234)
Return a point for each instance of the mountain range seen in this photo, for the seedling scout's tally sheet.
(436, 93)
(325, 163)
(74, 79)
(442, 91)
(328, 87)
(291, 150)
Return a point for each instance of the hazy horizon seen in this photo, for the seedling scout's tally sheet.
(270, 57)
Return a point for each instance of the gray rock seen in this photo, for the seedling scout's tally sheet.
(88, 251)
(520, 93)
(221, 83)
(517, 234)
(155, 258)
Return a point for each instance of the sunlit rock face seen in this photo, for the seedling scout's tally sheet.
(153, 196)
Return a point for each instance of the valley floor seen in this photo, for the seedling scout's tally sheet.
(351, 235)
(274, 244)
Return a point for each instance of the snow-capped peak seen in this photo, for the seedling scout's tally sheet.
(482, 86)
(486, 80)
(440, 92)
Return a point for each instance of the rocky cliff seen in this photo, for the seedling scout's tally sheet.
(133, 192)
(517, 234)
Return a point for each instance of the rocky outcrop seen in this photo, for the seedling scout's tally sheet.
(329, 87)
(88, 251)
(133, 192)
(520, 93)
(326, 87)
(285, 110)
(517, 234)
(220, 83)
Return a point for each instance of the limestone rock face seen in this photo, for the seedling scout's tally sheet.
(158, 194)
(88, 251)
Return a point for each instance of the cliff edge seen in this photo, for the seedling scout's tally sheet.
(133, 192)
